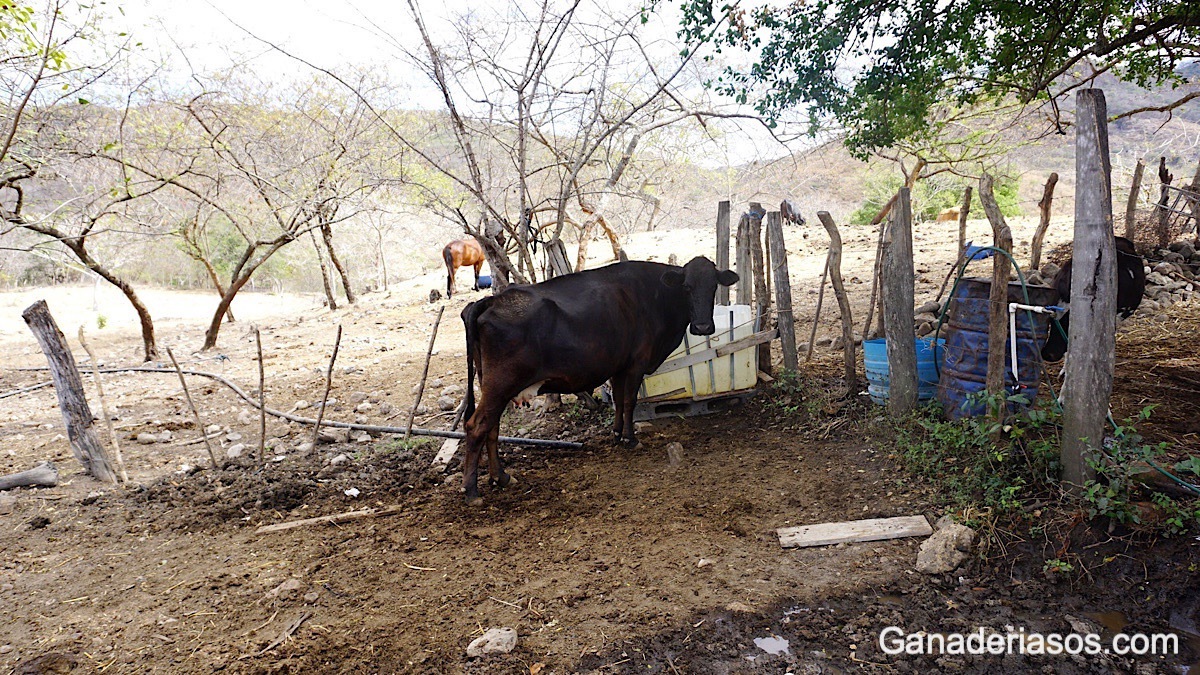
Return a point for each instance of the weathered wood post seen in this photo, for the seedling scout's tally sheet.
(1089, 369)
(761, 300)
(783, 292)
(723, 248)
(881, 220)
(834, 265)
(1035, 246)
(998, 298)
(1165, 177)
(71, 400)
(1131, 205)
(963, 211)
(745, 284)
(898, 290)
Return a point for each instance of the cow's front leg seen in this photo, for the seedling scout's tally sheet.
(632, 384)
(618, 395)
(478, 267)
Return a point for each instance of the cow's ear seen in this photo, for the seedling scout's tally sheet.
(727, 277)
(673, 278)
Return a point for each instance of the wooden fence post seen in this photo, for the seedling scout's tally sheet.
(1089, 369)
(1165, 177)
(1131, 205)
(834, 265)
(1035, 247)
(963, 211)
(723, 248)
(898, 291)
(745, 284)
(761, 300)
(783, 292)
(998, 298)
(71, 399)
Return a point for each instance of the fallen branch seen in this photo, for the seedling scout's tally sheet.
(328, 384)
(287, 632)
(262, 402)
(424, 373)
(195, 413)
(42, 475)
(370, 428)
(112, 434)
(335, 518)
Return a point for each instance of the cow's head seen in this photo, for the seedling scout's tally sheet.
(699, 279)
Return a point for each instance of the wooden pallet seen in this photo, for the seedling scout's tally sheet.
(689, 407)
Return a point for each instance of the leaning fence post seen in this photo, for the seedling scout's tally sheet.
(897, 296)
(1089, 369)
(1131, 205)
(783, 292)
(1035, 248)
(834, 265)
(745, 284)
(71, 400)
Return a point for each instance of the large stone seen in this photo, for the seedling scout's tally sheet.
(235, 451)
(146, 438)
(925, 317)
(453, 390)
(447, 403)
(1049, 270)
(946, 549)
(494, 641)
(931, 307)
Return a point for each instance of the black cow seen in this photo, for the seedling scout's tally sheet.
(571, 334)
(1131, 284)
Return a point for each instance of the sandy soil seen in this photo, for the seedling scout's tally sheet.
(602, 559)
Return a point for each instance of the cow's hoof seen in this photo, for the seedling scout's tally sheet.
(630, 443)
(505, 480)
(475, 502)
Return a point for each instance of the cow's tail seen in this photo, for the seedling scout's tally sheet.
(470, 317)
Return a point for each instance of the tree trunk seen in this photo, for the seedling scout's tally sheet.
(330, 296)
(1035, 247)
(149, 344)
(761, 299)
(242, 276)
(327, 235)
(72, 401)
(216, 282)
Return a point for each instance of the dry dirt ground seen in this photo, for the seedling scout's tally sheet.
(603, 559)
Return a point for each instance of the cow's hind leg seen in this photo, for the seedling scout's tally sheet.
(478, 267)
(480, 429)
(499, 477)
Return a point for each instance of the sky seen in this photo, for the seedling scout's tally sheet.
(335, 33)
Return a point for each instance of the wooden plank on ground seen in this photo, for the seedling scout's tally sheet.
(872, 529)
(446, 453)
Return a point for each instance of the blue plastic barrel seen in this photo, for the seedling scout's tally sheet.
(977, 252)
(876, 359)
(485, 281)
(964, 368)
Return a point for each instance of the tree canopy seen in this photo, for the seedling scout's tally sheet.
(878, 68)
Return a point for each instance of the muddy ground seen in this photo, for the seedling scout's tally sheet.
(603, 559)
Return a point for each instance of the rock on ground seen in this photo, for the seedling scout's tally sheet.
(946, 549)
(494, 641)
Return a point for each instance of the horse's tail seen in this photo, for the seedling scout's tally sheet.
(470, 317)
(448, 256)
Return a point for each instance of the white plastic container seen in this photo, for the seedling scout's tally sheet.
(716, 375)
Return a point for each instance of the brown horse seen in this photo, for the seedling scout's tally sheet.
(462, 253)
